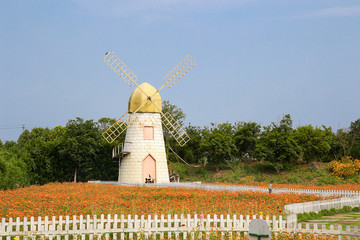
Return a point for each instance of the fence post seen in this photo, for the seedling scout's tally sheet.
(275, 223)
(229, 226)
(141, 227)
(162, 223)
(107, 226)
(130, 226)
(115, 227)
(122, 225)
(176, 226)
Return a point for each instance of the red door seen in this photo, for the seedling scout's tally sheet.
(149, 169)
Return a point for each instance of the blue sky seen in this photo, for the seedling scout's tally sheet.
(257, 59)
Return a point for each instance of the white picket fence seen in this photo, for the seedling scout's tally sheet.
(169, 227)
(323, 193)
(292, 210)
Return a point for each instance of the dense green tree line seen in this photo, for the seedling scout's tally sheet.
(279, 145)
(77, 151)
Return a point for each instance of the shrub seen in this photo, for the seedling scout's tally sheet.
(293, 179)
(347, 209)
(325, 212)
(248, 179)
(301, 218)
(332, 211)
(259, 178)
(330, 180)
(356, 209)
(346, 167)
(313, 215)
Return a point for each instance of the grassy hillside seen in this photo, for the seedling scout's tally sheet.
(257, 172)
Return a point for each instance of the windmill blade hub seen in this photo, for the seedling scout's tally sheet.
(138, 98)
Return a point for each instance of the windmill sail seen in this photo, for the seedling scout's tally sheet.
(115, 130)
(179, 71)
(175, 129)
(120, 68)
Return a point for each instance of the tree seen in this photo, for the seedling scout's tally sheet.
(277, 144)
(176, 112)
(355, 128)
(315, 143)
(246, 136)
(191, 152)
(105, 123)
(218, 143)
(79, 152)
(34, 147)
(179, 116)
(78, 148)
(346, 140)
(76, 151)
(10, 146)
(192, 149)
(355, 136)
(104, 167)
(13, 172)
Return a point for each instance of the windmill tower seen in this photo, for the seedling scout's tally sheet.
(143, 156)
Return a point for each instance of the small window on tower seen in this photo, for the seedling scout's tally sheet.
(148, 132)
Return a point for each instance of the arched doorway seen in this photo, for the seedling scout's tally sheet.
(149, 169)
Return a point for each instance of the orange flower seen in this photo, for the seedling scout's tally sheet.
(55, 199)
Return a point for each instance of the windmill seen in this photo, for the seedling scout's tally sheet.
(143, 156)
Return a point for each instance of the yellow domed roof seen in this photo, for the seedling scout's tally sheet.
(137, 98)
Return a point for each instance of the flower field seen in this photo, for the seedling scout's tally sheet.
(56, 199)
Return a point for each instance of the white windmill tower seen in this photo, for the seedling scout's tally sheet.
(143, 156)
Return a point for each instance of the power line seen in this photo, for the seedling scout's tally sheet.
(17, 127)
(9, 128)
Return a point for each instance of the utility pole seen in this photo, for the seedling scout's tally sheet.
(23, 127)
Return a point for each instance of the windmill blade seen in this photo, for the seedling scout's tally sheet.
(120, 68)
(175, 75)
(179, 71)
(175, 129)
(115, 130)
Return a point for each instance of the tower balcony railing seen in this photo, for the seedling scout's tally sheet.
(119, 151)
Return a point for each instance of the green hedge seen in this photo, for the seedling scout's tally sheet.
(304, 217)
